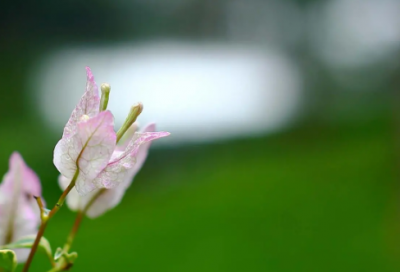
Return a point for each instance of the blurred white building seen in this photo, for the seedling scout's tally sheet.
(198, 92)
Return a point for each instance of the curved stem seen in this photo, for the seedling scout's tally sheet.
(35, 245)
(74, 231)
(46, 219)
(78, 220)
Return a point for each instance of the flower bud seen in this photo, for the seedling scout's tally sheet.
(133, 115)
(105, 93)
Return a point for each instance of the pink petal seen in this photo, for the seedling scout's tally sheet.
(141, 156)
(108, 200)
(88, 105)
(112, 197)
(18, 209)
(73, 198)
(123, 143)
(116, 170)
(26, 223)
(90, 148)
(21, 177)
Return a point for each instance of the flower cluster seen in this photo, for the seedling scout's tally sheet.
(96, 164)
(88, 147)
(107, 199)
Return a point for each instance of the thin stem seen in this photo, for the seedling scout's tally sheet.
(132, 116)
(51, 259)
(43, 214)
(81, 214)
(94, 198)
(45, 221)
(35, 245)
(78, 220)
(105, 93)
(74, 231)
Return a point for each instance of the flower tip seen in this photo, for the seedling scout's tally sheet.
(150, 128)
(135, 111)
(137, 108)
(105, 88)
(105, 93)
(15, 155)
(89, 73)
(15, 159)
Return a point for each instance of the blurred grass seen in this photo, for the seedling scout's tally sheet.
(317, 198)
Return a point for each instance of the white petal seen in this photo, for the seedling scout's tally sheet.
(19, 213)
(106, 201)
(73, 198)
(90, 148)
(112, 197)
(18, 209)
(88, 105)
(116, 171)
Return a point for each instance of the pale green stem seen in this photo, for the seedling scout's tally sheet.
(133, 115)
(105, 93)
(46, 219)
(78, 220)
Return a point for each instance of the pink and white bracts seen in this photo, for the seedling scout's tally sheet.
(88, 145)
(19, 212)
(111, 197)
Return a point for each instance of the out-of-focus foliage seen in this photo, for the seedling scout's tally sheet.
(317, 198)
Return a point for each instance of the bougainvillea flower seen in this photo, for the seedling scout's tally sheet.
(88, 145)
(19, 212)
(110, 197)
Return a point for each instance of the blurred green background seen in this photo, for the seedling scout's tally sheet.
(320, 195)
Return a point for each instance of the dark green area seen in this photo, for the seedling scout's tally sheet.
(317, 198)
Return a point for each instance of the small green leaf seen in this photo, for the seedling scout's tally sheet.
(8, 260)
(69, 257)
(27, 242)
(59, 252)
(64, 260)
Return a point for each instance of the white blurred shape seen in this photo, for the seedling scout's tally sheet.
(196, 92)
(355, 32)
